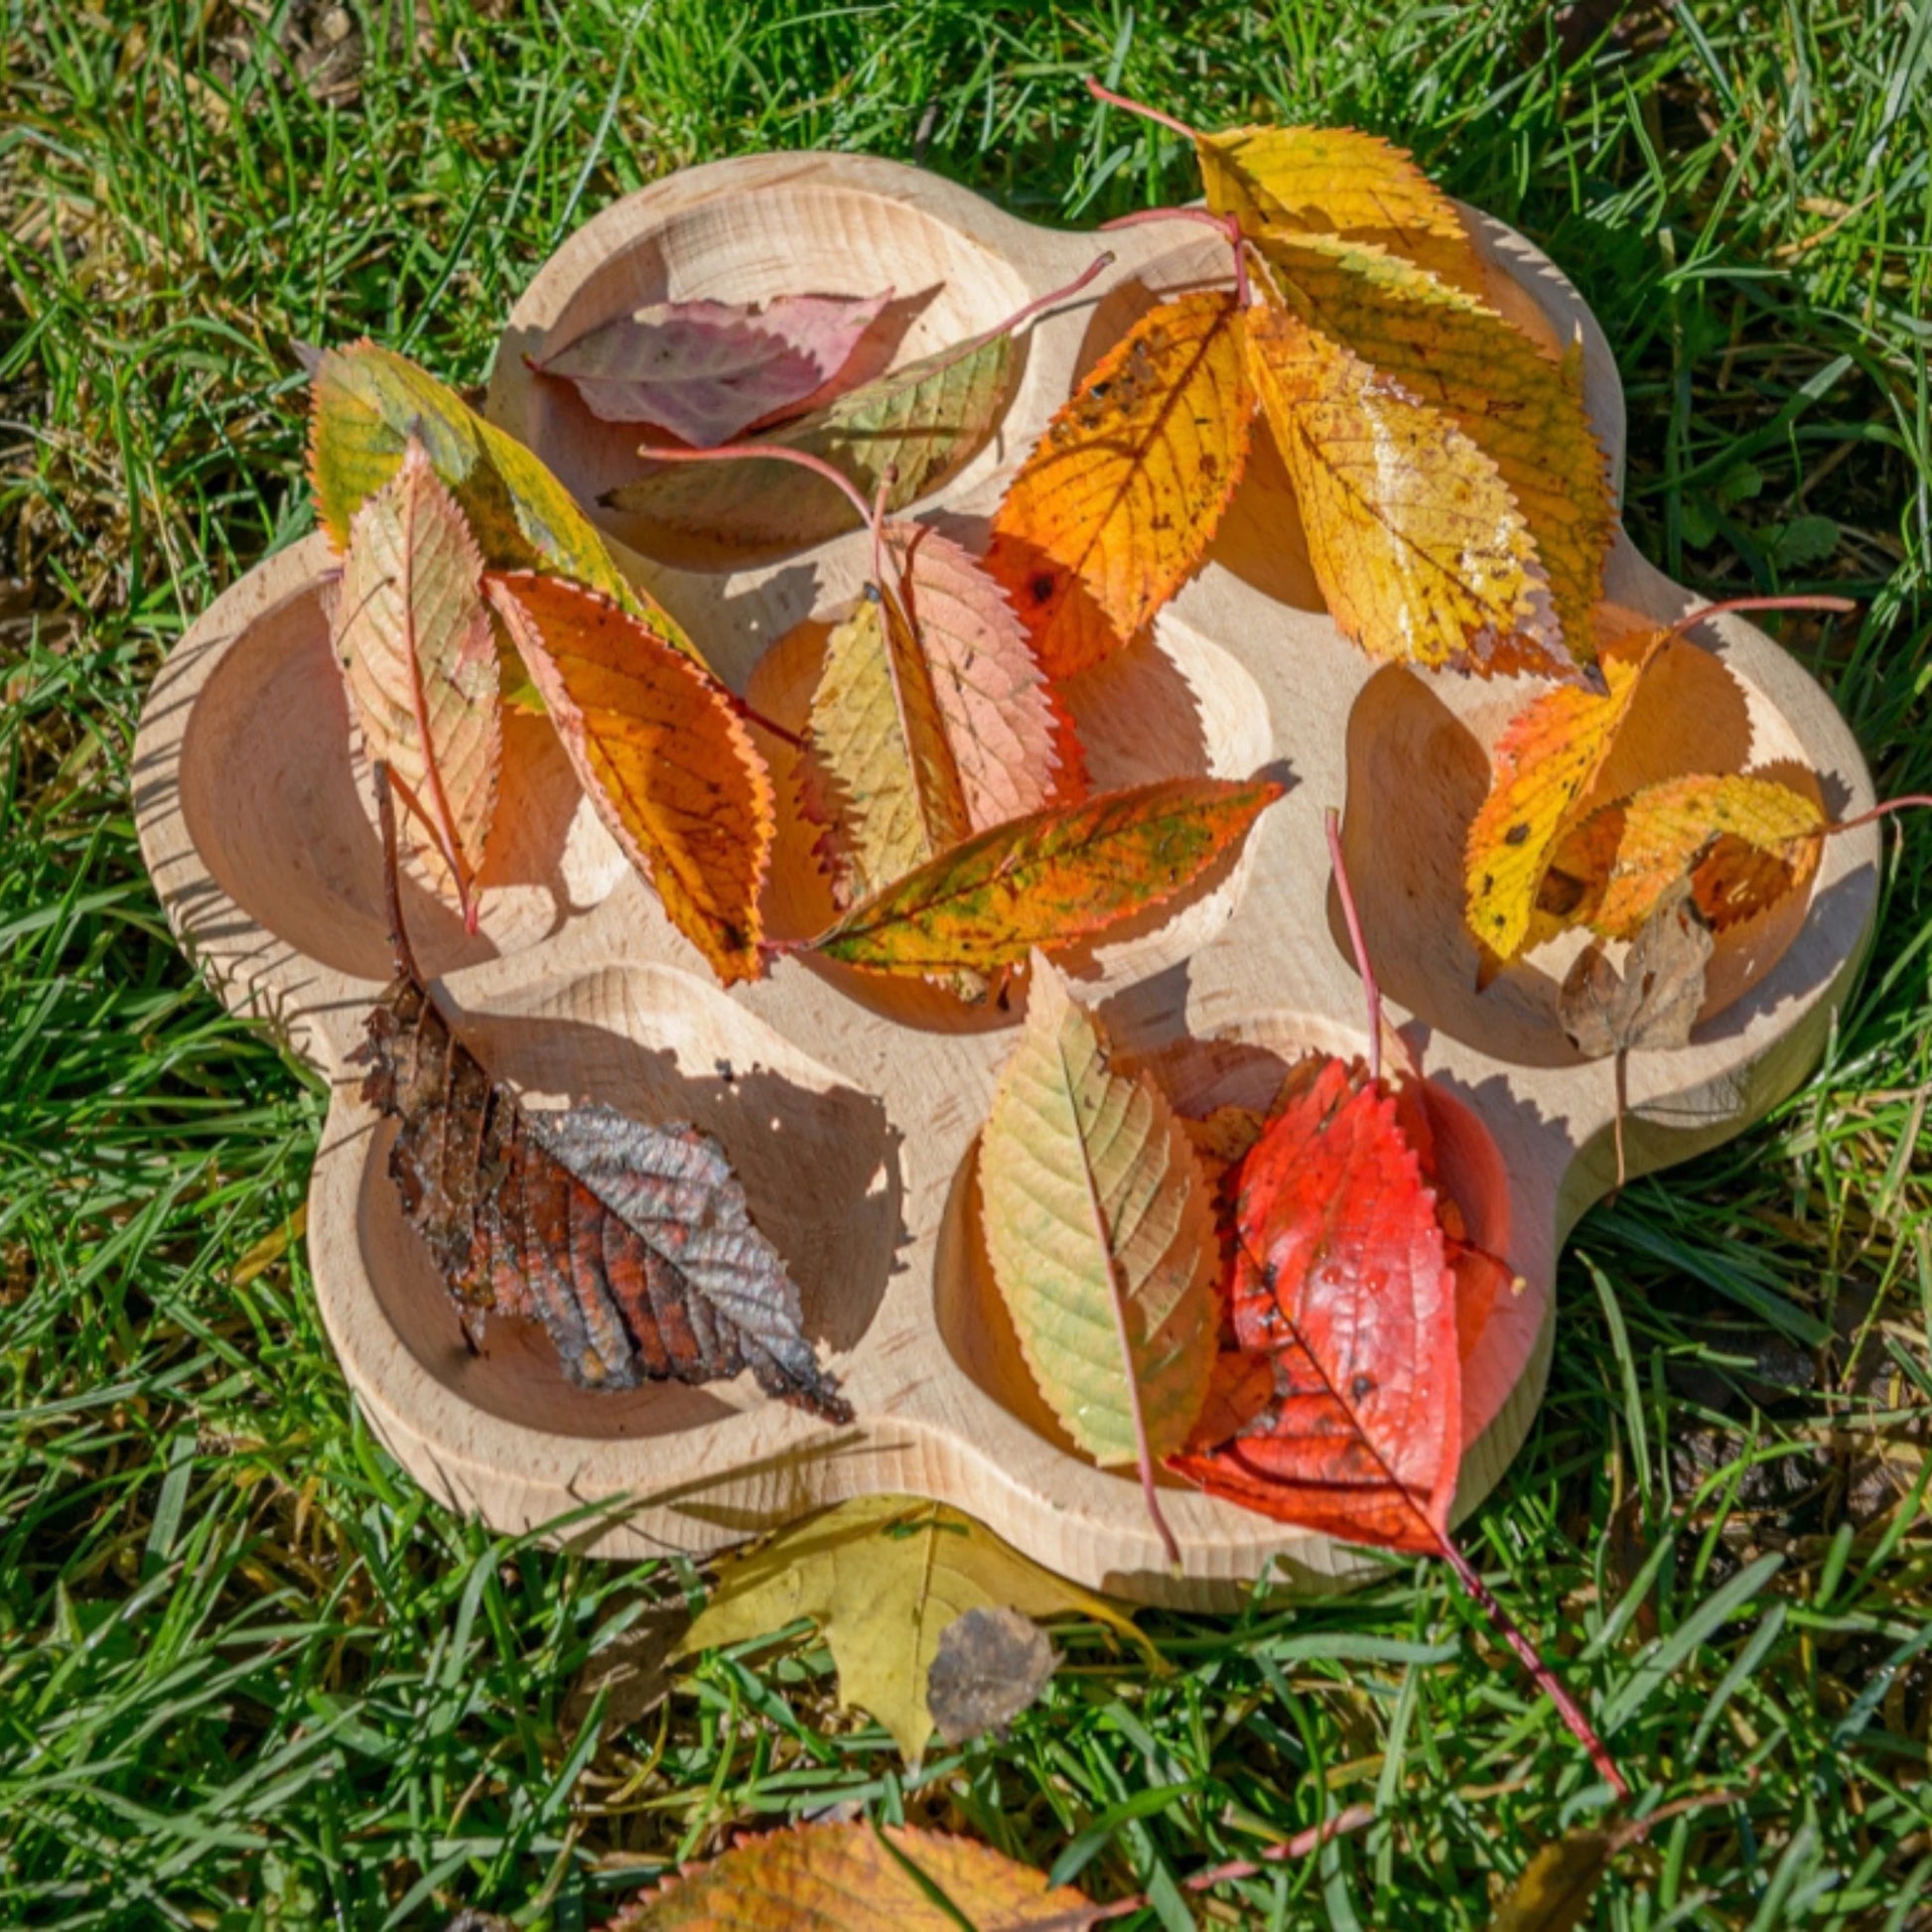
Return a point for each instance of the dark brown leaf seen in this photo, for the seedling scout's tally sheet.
(1654, 1003)
(989, 1665)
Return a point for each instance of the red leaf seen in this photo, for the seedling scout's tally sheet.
(1343, 1281)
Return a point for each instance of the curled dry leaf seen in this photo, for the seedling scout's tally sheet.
(1049, 880)
(660, 749)
(1117, 505)
(1342, 1286)
(932, 719)
(991, 1665)
(857, 1878)
(1413, 534)
(631, 1244)
(1522, 407)
(1742, 842)
(1101, 1234)
(707, 371)
(413, 636)
(883, 1577)
(1543, 768)
(916, 426)
(1336, 181)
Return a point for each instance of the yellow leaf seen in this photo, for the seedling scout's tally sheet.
(662, 753)
(1522, 407)
(1101, 1235)
(1742, 842)
(1541, 772)
(1413, 535)
(882, 1578)
(1118, 503)
(1334, 181)
(855, 1877)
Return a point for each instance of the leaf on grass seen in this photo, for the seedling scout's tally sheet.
(1117, 504)
(1413, 535)
(1555, 1888)
(1654, 1002)
(367, 404)
(1336, 181)
(1522, 407)
(1541, 772)
(921, 422)
(1343, 1284)
(631, 1671)
(1744, 842)
(933, 732)
(707, 371)
(882, 1578)
(413, 635)
(855, 1877)
(1101, 1235)
(631, 1244)
(989, 1667)
(662, 752)
(1049, 880)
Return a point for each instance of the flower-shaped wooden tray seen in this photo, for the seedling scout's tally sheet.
(850, 1107)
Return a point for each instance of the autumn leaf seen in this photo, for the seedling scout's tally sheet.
(633, 1244)
(989, 1666)
(882, 1577)
(1342, 1284)
(1742, 842)
(1654, 1002)
(856, 1877)
(1101, 1234)
(1521, 406)
(662, 753)
(932, 718)
(1049, 880)
(1117, 504)
(707, 371)
(1336, 181)
(367, 403)
(1414, 536)
(413, 635)
(916, 426)
(1542, 769)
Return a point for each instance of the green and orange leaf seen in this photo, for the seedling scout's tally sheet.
(1049, 879)
(662, 753)
(1117, 505)
(1413, 534)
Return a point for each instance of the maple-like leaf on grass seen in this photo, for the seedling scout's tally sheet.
(1049, 880)
(1117, 504)
(412, 632)
(707, 370)
(883, 1577)
(633, 1244)
(1100, 1229)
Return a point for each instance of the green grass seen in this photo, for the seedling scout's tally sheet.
(250, 1677)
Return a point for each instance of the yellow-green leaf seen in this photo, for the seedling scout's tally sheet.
(882, 1578)
(1521, 406)
(1101, 1234)
(1336, 180)
(1049, 880)
(1413, 535)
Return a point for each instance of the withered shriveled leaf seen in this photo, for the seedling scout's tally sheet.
(631, 1244)
(709, 371)
(991, 1664)
(1654, 1002)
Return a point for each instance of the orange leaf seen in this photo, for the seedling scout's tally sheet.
(1521, 406)
(1120, 501)
(1413, 534)
(1334, 181)
(413, 635)
(661, 751)
(1049, 880)
(854, 1877)
(1742, 842)
(1542, 771)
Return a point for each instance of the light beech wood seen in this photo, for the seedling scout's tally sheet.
(852, 1106)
